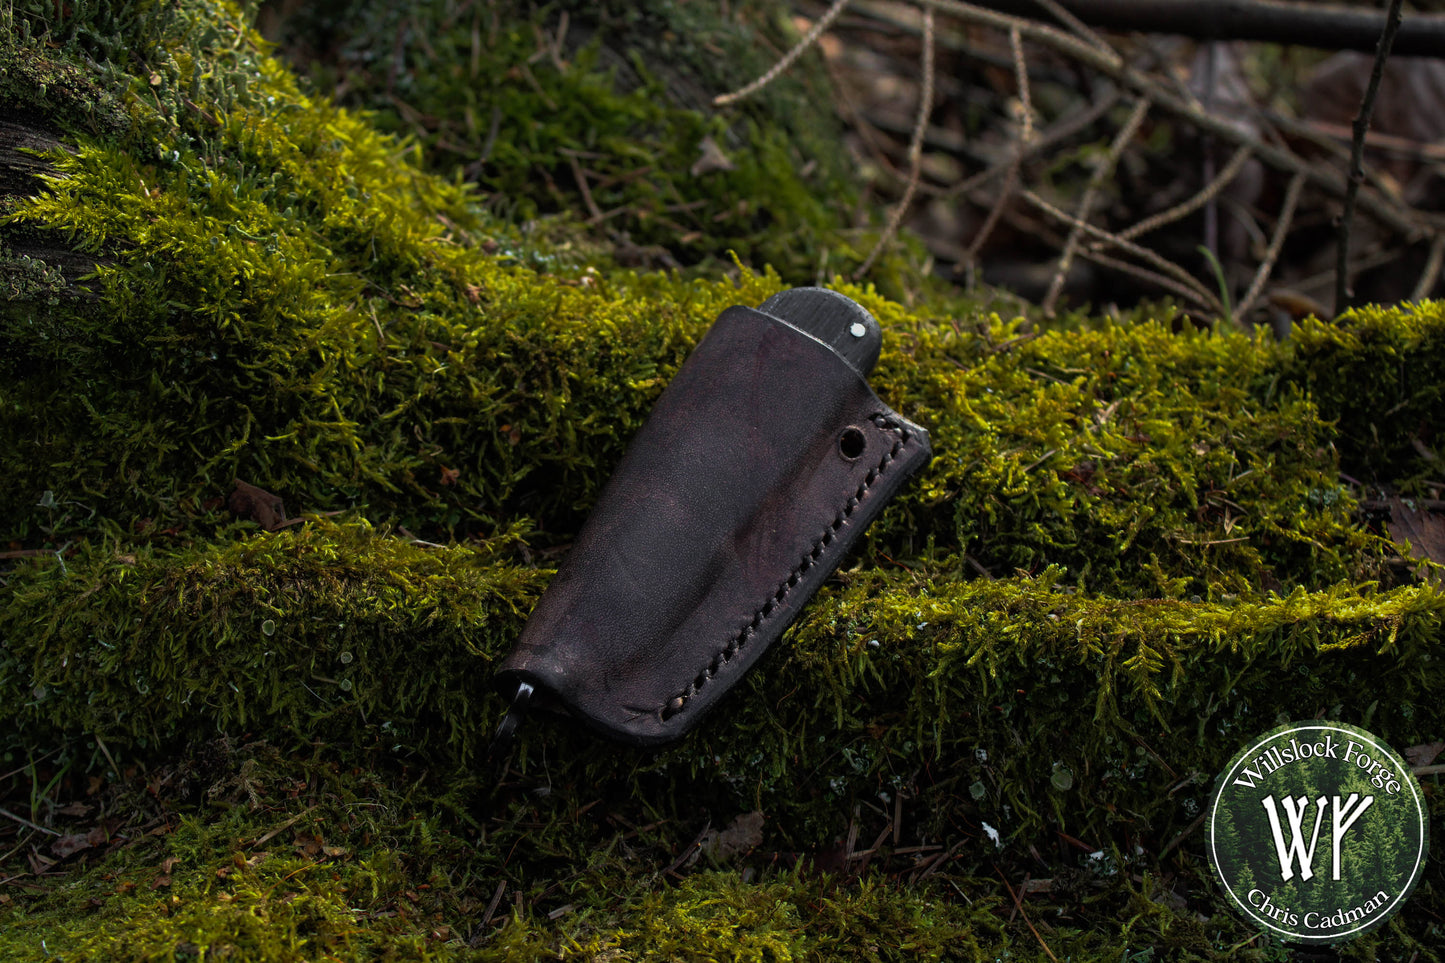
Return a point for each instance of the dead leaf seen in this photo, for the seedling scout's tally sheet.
(1424, 754)
(168, 864)
(257, 504)
(159, 881)
(712, 159)
(450, 475)
(1422, 531)
(70, 845)
(743, 834)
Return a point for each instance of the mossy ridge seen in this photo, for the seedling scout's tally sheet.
(279, 234)
(992, 688)
(323, 631)
(1148, 462)
(433, 385)
(867, 741)
(337, 632)
(244, 852)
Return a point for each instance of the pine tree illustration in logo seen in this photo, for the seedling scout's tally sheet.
(1317, 831)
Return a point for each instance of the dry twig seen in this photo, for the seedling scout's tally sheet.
(1431, 274)
(1086, 203)
(1067, 18)
(810, 38)
(1390, 213)
(915, 150)
(1357, 156)
(1199, 292)
(1276, 243)
(1016, 158)
(1194, 203)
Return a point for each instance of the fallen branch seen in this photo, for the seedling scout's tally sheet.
(1322, 26)
(1164, 266)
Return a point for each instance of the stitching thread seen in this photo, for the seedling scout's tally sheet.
(725, 655)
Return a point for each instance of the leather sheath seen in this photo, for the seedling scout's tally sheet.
(757, 470)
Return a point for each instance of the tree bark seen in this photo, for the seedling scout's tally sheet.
(22, 137)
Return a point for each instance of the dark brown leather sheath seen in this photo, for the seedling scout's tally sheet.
(761, 464)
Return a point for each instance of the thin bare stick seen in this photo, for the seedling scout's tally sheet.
(1185, 208)
(1431, 274)
(1317, 134)
(1375, 140)
(1326, 26)
(1086, 203)
(915, 151)
(1390, 213)
(1015, 161)
(1078, 26)
(1276, 243)
(1021, 75)
(1060, 131)
(1357, 157)
(1162, 264)
(581, 179)
(1018, 901)
(27, 823)
(809, 38)
(1011, 182)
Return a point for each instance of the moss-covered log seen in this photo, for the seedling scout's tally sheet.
(1134, 549)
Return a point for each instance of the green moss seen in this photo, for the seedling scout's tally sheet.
(290, 301)
(340, 633)
(1377, 373)
(1132, 551)
(531, 102)
(39, 84)
(1145, 461)
(305, 631)
(31, 281)
(297, 858)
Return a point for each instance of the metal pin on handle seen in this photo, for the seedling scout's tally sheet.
(832, 318)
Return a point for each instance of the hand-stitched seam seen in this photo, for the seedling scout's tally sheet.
(726, 654)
